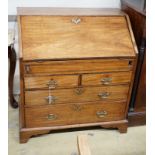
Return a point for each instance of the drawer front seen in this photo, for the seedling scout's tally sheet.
(78, 66)
(74, 114)
(76, 95)
(65, 81)
(106, 78)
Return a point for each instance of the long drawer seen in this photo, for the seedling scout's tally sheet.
(74, 114)
(83, 94)
(78, 66)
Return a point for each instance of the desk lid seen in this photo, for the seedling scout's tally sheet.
(67, 35)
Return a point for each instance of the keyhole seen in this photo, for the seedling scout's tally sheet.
(130, 63)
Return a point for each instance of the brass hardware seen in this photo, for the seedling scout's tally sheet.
(104, 95)
(76, 20)
(101, 114)
(106, 81)
(51, 117)
(50, 99)
(27, 68)
(52, 84)
(79, 91)
(77, 107)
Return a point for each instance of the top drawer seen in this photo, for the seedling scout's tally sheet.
(78, 66)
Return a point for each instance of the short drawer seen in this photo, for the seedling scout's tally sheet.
(78, 66)
(77, 95)
(74, 114)
(106, 78)
(61, 81)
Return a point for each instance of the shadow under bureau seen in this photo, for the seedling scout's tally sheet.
(76, 69)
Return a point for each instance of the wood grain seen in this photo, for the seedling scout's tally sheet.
(83, 145)
(66, 96)
(140, 101)
(62, 81)
(26, 133)
(137, 118)
(122, 126)
(68, 114)
(131, 34)
(52, 37)
(22, 97)
(116, 78)
(20, 38)
(137, 112)
(77, 56)
(78, 66)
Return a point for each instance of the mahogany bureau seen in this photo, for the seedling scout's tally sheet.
(77, 68)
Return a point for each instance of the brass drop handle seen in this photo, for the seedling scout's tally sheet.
(104, 95)
(106, 80)
(51, 99)
(52, 84)
(76, 20)
(51, 117)
(101, 114)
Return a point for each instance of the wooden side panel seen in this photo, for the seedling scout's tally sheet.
(74, 114)
(20, 37)
(52, 37)
(106, 78)
(22, 97)
(140, 102)
(77, 95)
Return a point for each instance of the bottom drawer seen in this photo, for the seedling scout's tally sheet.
(74, 114)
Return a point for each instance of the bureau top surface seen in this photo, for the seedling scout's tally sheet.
(73, 34)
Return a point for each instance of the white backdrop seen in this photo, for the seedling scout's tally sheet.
(61, 3)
